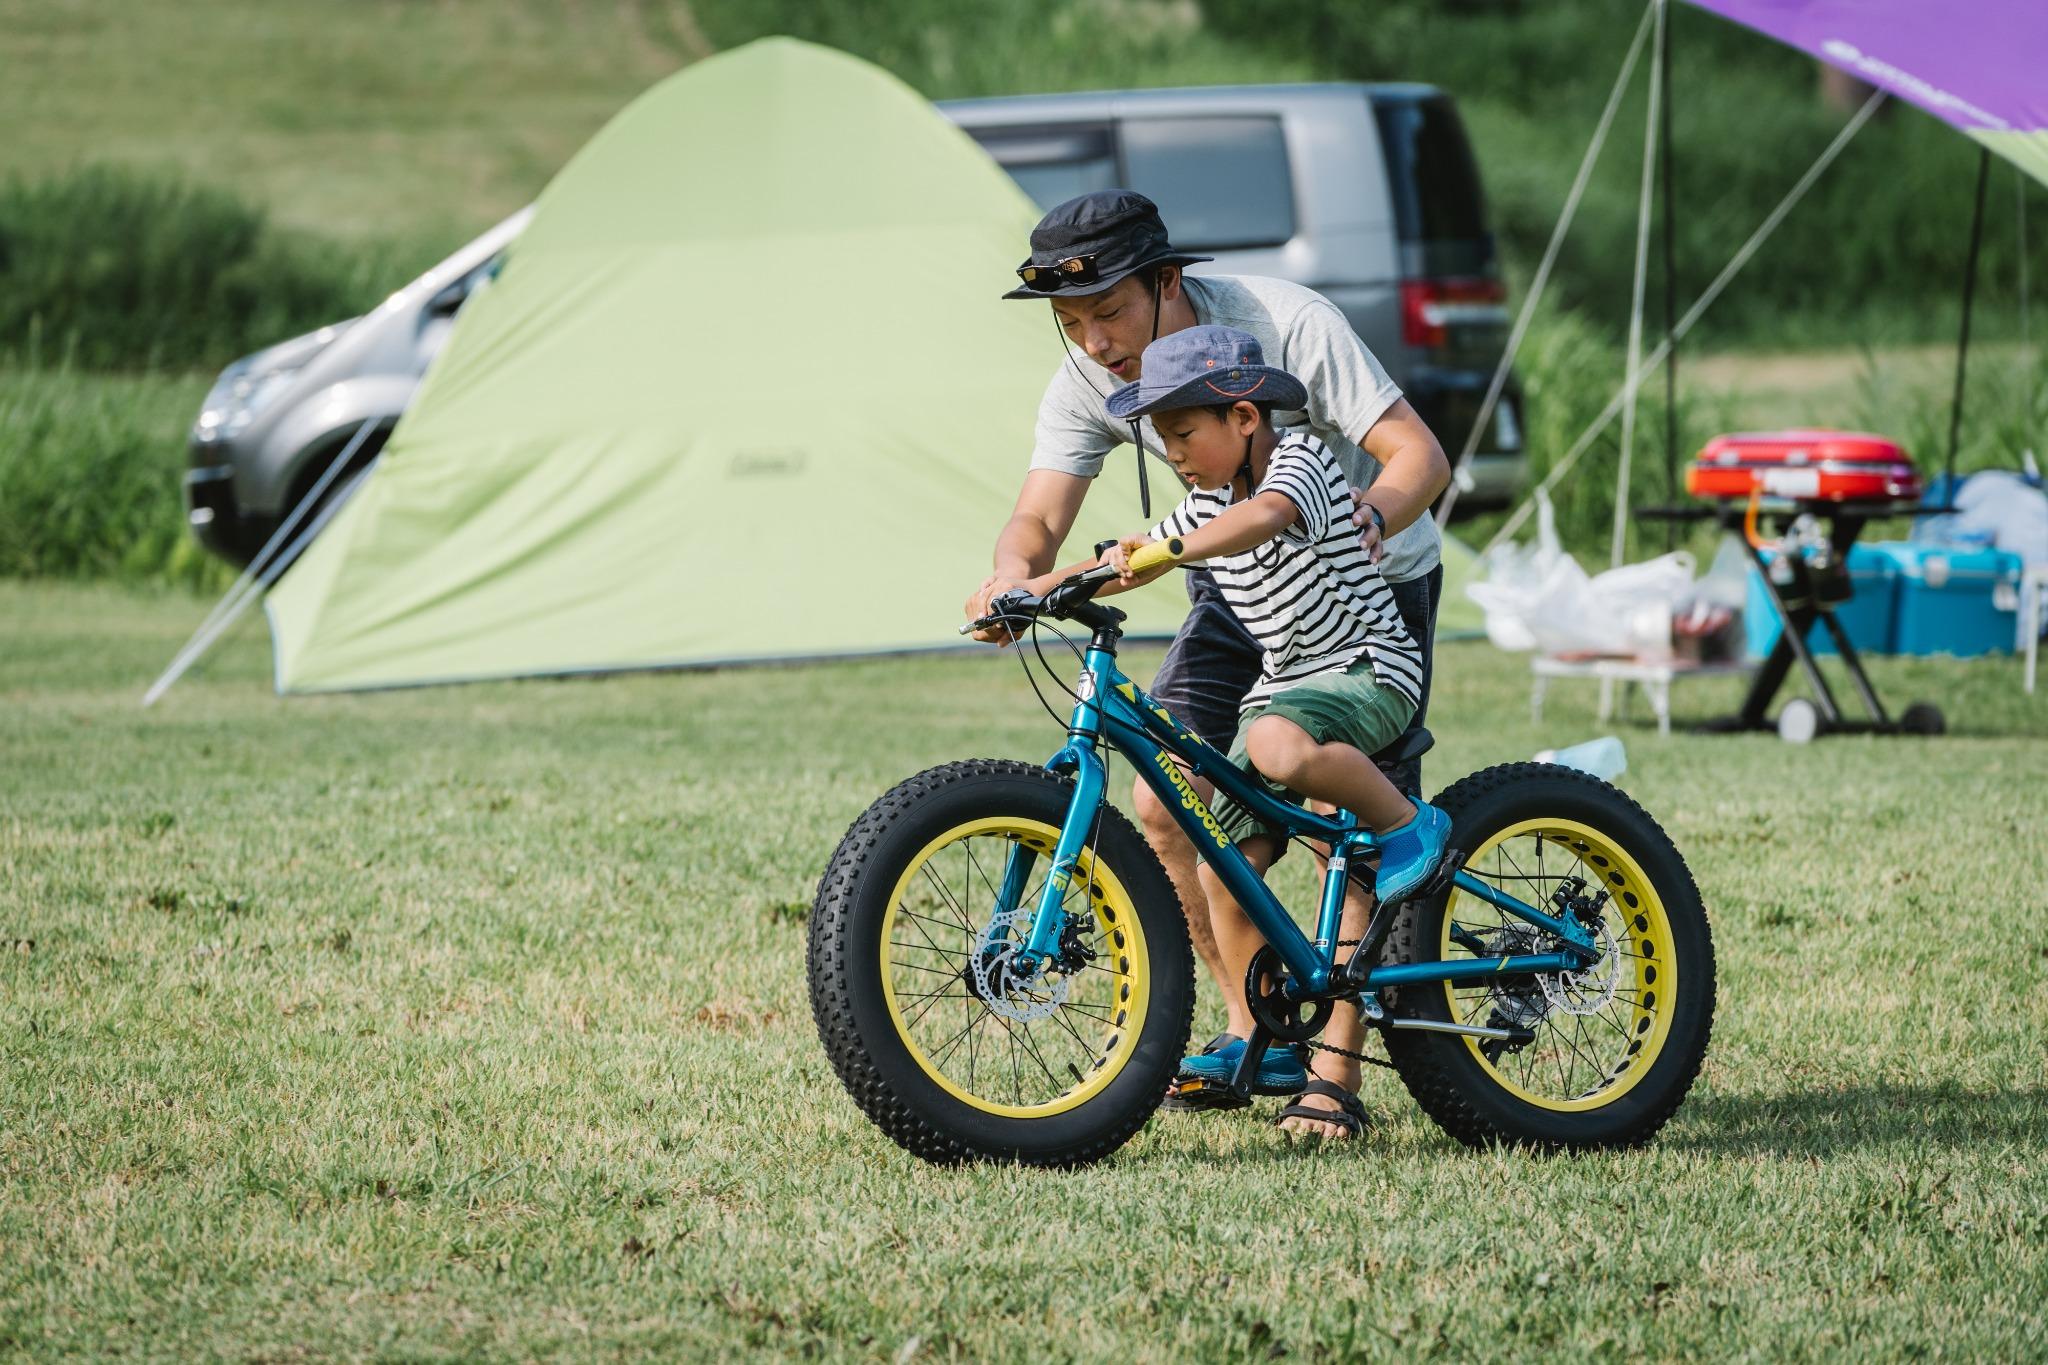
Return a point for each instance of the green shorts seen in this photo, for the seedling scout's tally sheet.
(1351, 707)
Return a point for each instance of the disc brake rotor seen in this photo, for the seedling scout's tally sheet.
(1010, 992)
(1591, 989)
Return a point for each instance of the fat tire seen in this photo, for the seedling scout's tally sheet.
(1439, 1069)
(853, 1021)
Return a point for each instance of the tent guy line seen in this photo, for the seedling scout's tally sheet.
(1541, 281)
(261, 571)
(1692, 316)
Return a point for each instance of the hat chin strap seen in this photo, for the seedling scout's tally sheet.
(1137, 441)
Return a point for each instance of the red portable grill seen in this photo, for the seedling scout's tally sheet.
(1804, 478)
(1804, 466)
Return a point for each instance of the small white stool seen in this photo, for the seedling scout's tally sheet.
(1653, 676)
(2033, 588)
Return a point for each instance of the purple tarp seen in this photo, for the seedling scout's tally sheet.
(1977, 64)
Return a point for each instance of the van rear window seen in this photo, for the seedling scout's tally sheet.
(1220, 183)
(1053, 162)
(1430, 170)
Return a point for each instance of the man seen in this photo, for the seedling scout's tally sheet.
(1113, 279)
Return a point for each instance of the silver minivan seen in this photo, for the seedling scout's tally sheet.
(1368, 194)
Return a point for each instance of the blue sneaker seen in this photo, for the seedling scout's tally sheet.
(1280, 1070)
(1411, 854)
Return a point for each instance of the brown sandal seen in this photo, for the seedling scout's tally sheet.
(1348, 1115)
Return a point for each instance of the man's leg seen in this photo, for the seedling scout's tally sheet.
(1177, 856)
(1211, 664)
(1416, 600)
(1237, 938)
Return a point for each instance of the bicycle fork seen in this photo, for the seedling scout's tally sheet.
(1049, 921)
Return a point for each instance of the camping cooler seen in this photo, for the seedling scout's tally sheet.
(1953, 601)
(1867, 617)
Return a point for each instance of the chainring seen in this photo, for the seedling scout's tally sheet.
(1289, 1021)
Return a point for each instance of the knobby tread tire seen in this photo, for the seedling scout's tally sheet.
(1438, 1069)
(880, 1076)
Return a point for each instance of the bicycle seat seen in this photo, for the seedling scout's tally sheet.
(1407, 748)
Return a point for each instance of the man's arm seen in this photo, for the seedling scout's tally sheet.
(1413, 474)
(1038, 525)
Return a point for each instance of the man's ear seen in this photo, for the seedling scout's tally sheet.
(1169, 283)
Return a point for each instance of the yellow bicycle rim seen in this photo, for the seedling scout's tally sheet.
(1017, 1069)
(1579, 1061)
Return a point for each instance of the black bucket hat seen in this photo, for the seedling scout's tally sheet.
(1087, 244)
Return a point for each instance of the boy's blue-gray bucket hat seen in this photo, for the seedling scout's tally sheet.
(1199, 367)
(1087, 244)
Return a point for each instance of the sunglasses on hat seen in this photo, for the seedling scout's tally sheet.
(1043, 279)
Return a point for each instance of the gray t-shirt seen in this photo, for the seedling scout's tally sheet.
(1301, 332)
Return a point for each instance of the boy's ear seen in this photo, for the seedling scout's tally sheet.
(1245, 417)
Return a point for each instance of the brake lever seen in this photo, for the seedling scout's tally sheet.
(1016, 604)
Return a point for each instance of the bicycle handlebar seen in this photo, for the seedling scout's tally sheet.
(1077, 590)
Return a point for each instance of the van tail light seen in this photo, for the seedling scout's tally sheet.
(1430, 308)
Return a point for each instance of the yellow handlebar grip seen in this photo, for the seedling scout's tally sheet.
(1159, 552)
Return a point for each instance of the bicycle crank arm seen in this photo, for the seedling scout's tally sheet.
(1510, 1035)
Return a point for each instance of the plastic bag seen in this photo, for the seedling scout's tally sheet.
(1539, 598)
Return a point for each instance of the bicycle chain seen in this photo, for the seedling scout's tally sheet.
(1345, 1051)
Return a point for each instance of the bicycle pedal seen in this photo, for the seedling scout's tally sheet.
(1440, 881)
(1197, 1094)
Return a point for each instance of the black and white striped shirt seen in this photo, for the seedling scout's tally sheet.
(1310, 595)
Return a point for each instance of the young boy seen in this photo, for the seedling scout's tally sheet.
(1341, 675)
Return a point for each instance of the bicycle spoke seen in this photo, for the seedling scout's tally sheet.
(944, 894)
(918, 922)
(1031, 1050)
(927, 995)
(954, 1040)
(914, 967)
(1060, 1018)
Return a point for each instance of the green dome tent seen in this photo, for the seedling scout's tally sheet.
(743, 391)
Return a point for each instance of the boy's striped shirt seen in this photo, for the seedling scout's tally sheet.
(1310, 595)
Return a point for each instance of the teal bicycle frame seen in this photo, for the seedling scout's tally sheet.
(1111, 709)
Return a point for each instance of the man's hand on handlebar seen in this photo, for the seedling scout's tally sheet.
(977, 607)
(1133, 560)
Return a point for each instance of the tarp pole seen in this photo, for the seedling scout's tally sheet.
(1618, 550)
(1670, 282)
(2028, 370)
(1955, 412)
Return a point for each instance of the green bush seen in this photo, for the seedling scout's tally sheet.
(108, 268)
(89, 478)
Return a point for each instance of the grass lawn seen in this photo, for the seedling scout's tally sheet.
(471, 1023)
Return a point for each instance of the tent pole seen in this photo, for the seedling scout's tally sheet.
(1955, 412)
(1670, 286)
